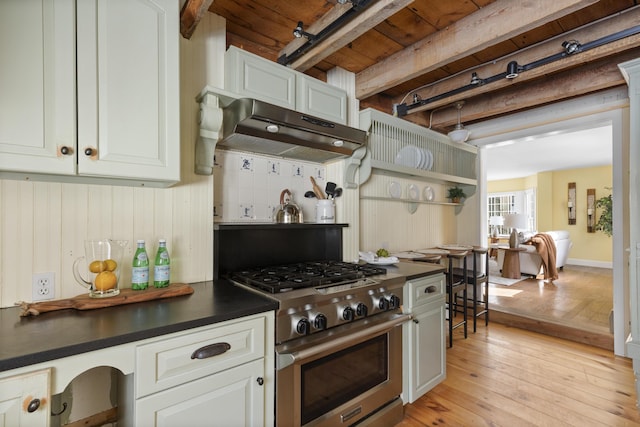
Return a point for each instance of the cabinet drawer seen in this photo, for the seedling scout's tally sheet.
(167, 363)
(424, 290)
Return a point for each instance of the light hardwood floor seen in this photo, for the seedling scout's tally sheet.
(504, 376)
(575, 306)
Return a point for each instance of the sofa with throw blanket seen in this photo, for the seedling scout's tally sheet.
(531, 262)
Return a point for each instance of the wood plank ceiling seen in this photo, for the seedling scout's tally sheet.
(432, 47)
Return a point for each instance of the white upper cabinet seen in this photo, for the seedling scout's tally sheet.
(321, 99)
(37, 86)
(252, 76)
(128, 95)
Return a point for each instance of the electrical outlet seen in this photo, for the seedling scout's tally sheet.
(43, 286)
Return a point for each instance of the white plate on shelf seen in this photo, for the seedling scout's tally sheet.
(395, 190)
(429, 161)
(408, 156)
(424, 158)
(412, 192)
(428, 194)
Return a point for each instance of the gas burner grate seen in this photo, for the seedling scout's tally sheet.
(283, 278)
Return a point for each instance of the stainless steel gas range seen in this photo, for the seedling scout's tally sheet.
(338, 325)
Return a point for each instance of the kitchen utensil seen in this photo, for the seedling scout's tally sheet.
(338, 192)
(316, 188)
(287, 212)
(330, 188)
(103, 259)
(310, 195)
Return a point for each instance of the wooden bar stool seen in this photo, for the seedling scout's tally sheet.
(455, 285)
(479, 297)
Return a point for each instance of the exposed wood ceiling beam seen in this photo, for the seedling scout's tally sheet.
(587, 33)
(363, 22)
(190, 15)
(501, 21)
(591, 77)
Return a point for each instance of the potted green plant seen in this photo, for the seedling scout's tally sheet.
(455, 194)
(605, 222)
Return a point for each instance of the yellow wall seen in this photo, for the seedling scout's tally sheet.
(551, 192)
(594, 246)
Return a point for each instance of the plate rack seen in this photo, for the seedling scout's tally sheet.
(453, 163)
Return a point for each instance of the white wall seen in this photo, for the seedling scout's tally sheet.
(43, 225)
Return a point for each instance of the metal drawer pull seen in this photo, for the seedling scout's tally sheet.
(430, 289)
(211, 350)
(33, 405)
(260, 380)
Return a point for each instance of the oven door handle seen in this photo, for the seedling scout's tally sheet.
(287, 359)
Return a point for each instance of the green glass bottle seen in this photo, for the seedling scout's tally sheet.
(161, 269)
(140, 268)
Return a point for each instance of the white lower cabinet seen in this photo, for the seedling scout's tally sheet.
(212, 376)
(424, 357)
(24, 399)
(231, 383)
(234, 397)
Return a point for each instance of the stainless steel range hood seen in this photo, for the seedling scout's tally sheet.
(259, 127)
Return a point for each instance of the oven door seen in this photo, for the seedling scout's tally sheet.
(338, 377)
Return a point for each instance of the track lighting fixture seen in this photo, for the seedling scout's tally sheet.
(299, 32)
(512, 70)
(571, 47)
(416, 98)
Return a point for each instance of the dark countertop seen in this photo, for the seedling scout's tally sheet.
(30, 340)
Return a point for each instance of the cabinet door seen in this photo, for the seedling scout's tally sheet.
(321, 99)
(251, 76)
(20, 393)
(424, 351)
(37, 86)
(234, 397)
(128, 89)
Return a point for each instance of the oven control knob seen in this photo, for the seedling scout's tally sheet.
(320, 322)
(383, 304)
(348, 314)
(362, 310)
(394, 302)
(303, 326)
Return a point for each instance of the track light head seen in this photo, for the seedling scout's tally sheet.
(571, 46)
(512, 70)
(300, 32)
(475, 80)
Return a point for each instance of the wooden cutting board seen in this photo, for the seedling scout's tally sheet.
(85, 302)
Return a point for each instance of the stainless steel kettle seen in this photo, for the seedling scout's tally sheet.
(288, 212)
